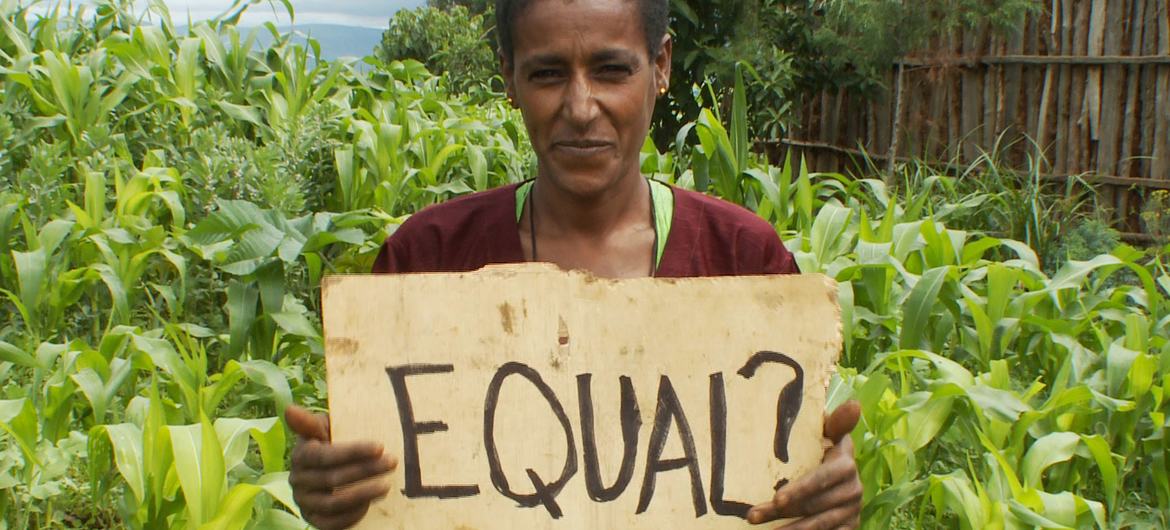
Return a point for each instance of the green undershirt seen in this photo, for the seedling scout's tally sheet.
(660, 195)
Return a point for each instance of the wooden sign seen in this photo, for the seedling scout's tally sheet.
(526, 397)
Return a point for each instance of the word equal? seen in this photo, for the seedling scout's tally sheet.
(529, 489)
(524, 396)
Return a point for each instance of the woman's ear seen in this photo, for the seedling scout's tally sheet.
(507, 71)
(662, 61)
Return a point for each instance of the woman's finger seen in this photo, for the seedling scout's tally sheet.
(339, 522)
(790, 500)
(306, 424)
(321, 479)
(310, 454)
(847, 493)
(342, 501)
(842, 450)
(840, 517)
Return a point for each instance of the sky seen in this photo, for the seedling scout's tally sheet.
(364, 13)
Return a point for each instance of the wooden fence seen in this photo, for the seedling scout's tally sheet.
(1085, 84)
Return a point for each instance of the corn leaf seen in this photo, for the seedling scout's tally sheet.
(918, 307)
(1048, 450)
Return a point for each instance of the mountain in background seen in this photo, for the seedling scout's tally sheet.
(337, 41)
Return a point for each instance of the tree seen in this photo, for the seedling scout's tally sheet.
(449, 41)
(710, 37)
(475, 7)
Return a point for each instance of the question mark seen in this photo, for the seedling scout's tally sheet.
(791, 396)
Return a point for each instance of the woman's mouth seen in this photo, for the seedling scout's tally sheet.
(582, 148)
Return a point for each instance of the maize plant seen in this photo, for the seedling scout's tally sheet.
(170, 199)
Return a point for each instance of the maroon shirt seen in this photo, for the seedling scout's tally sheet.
(708, 237)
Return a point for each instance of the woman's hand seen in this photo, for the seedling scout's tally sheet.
(334, 484)
(830, 496)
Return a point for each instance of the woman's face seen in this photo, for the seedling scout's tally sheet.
(586, 85)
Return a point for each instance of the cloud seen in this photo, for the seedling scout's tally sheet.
(364, 13)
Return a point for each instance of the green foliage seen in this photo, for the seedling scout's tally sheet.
(862, 38)
(449, 40)
(1156, 215)
(170, 202)
(994, 394)
(477, 7)
(710, 38)
(1023, 205)
(166, 206)
(1085, 241)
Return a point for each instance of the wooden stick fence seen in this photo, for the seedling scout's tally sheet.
(1084, 86)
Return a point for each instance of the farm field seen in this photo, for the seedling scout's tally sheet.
(170, 200)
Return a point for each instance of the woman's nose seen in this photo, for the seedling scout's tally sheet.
(580, 105)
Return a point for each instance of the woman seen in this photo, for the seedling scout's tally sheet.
(585, 75)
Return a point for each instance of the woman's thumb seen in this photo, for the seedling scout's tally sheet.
(306, 424)
(842, 421)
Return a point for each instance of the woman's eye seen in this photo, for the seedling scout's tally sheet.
(545, 74)
(616, 70)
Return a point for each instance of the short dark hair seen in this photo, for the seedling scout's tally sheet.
(655, 16)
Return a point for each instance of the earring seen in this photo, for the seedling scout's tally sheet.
(662, 91)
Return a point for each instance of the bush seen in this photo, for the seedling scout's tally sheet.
(1156, 215)
(1085, 241)
(450, 42)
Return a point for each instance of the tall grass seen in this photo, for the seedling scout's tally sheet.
(997, 391)
(169, 202)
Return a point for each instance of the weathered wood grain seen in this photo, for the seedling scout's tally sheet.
(1061, 164)
(1161, 151)
(1112, 91)
(1129, 128)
